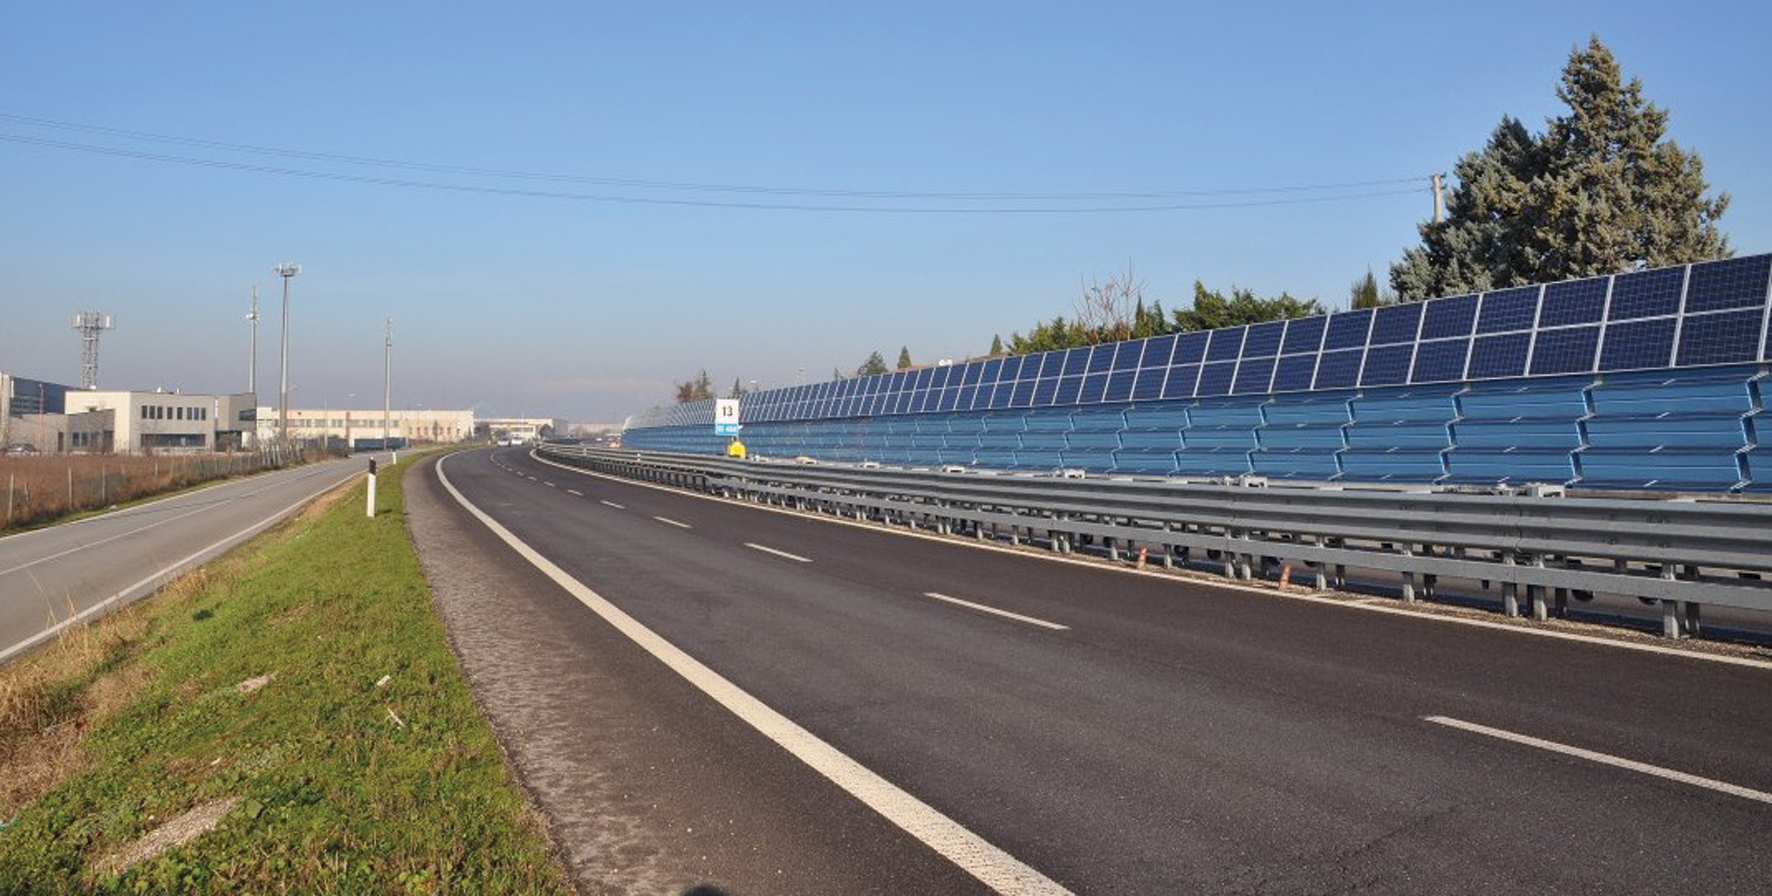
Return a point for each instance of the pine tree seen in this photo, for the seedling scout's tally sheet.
(904, 358)
(1366, 294)
(996, 345)
(873, 366)
(1600, 191)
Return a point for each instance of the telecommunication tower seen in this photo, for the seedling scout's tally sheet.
(89, 324)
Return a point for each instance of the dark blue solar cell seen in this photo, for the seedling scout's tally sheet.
(1348, 330)
(1092, 386)
(1304, 335)
(1044, 389)
(969, 373)
(1294, 373)
(1727, 338)
(1075, 360)
(1045, 365)
(920, 381)
(1440, 361)
(1215, 379)
(1019, 367)
(1386, 365)
(1127, 357)
(1101, 358)
(942, 376)
(992, 368)
(1646, 293)
(1569, 350)
(1179, 383)
(1732, 283)
(1455, 316)
(1574, 302)
(1638, 344)
(1190, 348)
(1508, 309)
(1024, 394)
(1227, 342)
(1157, 351)
(1339, 370)
(1493, 357)
(1149, 386)
(1067, 390)
(1263, 340)
(1395, 323)
(1254, 375)
(968, 396)
(1119, 386)
(948, 396)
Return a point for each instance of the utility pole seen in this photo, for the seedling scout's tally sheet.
(252, 365)
(1439, 199)
(285, 270)
(89, 324)
(387, 380)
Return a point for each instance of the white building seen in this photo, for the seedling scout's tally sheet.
(167, 421)
(521, 429)
(357, 426)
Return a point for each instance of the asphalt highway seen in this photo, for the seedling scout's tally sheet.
(1122, 733)
(74, 571)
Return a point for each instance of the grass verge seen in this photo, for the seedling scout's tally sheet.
(302, 691)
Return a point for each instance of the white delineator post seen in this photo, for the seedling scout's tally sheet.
(371, 506)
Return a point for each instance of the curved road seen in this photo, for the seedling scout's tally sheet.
(1105, 731)
(53, 576)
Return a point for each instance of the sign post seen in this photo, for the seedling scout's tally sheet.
(726, 417)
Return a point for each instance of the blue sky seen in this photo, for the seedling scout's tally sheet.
(585, 295)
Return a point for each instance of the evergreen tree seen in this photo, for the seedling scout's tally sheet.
(1213, 309)
(701, 388)
(904, 358)
(1366, 294)
(873, 366)
(996, 345)
(1600, 191)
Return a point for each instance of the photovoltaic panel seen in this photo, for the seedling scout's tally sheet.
(1215, 379)
(1263, 340)
(1574, 302)
(1254, 375)
(1076, 360)
(1024, 394)
(1569, 350)
(1726, 338)
(1294, 373)
(1011, 370)
(1493, 357)
(992, 368)
(1092, 386)
(968, 397)
(1395, 323)
(1000, 395)
(1044, 389)
(1731, 283)
(1101, 357)
(1646, 293)
(1339, 370)
(969, 373)
(1179, 383)
(1303, 335)
(1440, 361)
(1068, 387)
(1157, 351)
(1508, 309)
(1226, 343)
(1455, 316)
(1048, 366)
(1190, 348)
(1387, 365)
(1119, 385)
(1638, 344)
(1347, 330)
(1127, 356)
(1149, 386)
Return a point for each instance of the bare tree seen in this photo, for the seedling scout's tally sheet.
(1108, 311)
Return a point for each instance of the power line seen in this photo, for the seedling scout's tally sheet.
(1289, 195)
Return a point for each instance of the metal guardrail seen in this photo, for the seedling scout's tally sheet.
(1681, 553)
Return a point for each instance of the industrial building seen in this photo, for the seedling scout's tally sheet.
(518, 430)
(49, 418)
(366, 428)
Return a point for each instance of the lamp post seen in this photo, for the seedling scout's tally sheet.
(285, 270)
(387, 379)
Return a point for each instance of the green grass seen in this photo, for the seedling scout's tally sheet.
(335, 796)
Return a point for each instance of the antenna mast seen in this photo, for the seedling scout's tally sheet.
(89, 324)
(252, 368)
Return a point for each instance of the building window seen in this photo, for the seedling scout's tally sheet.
(145, 410)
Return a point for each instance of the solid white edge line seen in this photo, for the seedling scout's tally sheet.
(972, 853)
(670, 522)
(166, 573)
(1604, 758)
(782, 554)
(1030, 620)
(1351, 604)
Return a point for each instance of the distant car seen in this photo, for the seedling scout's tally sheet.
(21, 448)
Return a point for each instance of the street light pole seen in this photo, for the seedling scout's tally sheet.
(285, 270)
(387, 380)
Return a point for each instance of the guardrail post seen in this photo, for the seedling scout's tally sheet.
(1693, 622)
(1408, 577)
(1510, 590)
(1535, 593)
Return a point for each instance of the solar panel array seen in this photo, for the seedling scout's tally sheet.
(1691, 315)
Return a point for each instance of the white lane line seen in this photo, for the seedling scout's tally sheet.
(782, 554)
(990, 864)
(671, 522)
(548, 484)
(1004, 613)
(573, 491)
(614, 505)
(1604, 759)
